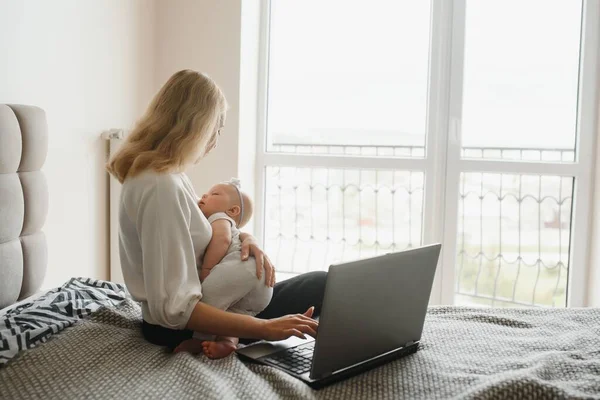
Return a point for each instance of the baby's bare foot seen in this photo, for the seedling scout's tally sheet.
(220, 349)
(193, 346)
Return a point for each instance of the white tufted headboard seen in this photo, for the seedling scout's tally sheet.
(23, 201)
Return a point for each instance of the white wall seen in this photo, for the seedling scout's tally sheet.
(207, 36)
(89, 64)
(204, 36)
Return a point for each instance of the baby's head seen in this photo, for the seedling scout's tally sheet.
(228, 199)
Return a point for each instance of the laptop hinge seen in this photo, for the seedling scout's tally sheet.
(409, 343)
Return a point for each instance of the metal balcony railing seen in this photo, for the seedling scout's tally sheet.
(513, 230)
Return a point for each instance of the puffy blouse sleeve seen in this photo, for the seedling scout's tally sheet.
(171, 280)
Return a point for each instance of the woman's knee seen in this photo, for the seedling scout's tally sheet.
(312, 288)
(315, 282)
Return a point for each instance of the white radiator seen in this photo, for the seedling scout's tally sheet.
(115, 138)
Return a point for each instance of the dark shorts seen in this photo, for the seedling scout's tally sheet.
(292, 296)
(162, 336)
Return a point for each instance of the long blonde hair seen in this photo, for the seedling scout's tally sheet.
(182, 119)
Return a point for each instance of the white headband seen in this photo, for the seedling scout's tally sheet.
(235, 182)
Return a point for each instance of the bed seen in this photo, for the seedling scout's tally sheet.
(83, 339)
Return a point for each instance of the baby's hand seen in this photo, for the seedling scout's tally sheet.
(204, 274)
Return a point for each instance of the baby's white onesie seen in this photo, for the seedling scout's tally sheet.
(232, 284)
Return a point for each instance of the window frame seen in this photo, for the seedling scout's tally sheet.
(442, 164)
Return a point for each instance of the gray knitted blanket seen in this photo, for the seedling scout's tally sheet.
(465, 353)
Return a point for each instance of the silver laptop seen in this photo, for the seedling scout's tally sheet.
(373, 312)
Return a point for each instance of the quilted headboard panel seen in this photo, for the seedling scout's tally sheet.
(23, 201)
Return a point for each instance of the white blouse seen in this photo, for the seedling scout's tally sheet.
(162, 235)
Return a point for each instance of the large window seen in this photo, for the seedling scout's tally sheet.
(389, 124)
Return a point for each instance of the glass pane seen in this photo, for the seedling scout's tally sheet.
(513, 240)
(521, 68)
(318, 216)
(348, 77)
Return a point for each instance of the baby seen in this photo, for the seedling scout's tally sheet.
(228, 282)
(227, 208)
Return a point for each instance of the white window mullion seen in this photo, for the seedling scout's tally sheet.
(437, 128)
(453, 152)
(587, 115)
(261, 140)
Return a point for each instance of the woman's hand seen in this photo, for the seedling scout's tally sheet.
(297, 325)
(250, 248)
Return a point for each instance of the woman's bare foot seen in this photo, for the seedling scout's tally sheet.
(218, 349)
(193, 346)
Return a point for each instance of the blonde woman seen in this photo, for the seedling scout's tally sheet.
(163, 232)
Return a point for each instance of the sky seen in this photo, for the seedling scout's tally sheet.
(350, 71)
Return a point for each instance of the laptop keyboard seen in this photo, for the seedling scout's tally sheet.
(296, 359)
